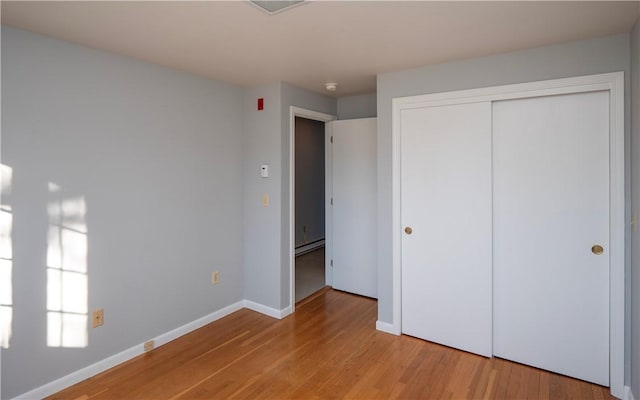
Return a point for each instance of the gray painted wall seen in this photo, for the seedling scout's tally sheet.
(266, 229)
(635, 184)
(309, 187)
(360, 106)
(156, 154)
(607, 54)
(262, 145)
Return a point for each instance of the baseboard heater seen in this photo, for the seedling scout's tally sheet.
(307, 247)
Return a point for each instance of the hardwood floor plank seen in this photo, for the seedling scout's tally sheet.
(556, 389)
(544, 390)
(533, 384)
(481, 380)
(328, 349)
(515, 388)
(503, 368)
(597, 393)
(490, 385)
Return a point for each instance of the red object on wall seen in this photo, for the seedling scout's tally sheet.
(260, 104)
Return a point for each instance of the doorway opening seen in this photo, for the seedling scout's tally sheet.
(310, 218)
(309, 194)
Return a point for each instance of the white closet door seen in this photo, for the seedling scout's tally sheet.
(446, 202)
(551, 205)
(355, 267)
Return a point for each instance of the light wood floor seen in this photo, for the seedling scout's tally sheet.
(328, 349)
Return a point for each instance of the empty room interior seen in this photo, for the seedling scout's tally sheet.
(320, 199)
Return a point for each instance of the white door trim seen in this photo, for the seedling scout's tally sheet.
(612, 82)
(316, 116)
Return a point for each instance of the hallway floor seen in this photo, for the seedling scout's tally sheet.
(309, 273)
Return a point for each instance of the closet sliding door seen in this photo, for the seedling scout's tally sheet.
(509, 223)
(551, 233)
(446, 222)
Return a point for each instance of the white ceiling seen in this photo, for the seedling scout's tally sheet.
(348, 42)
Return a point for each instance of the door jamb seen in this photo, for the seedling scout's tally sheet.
(316, 116)
(612, 82)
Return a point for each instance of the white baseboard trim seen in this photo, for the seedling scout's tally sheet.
(309, 247)
(134, 351)
(286, 311)
(628, 394)
(82, 374)
(386, 327)
(271, 312)
(199, 323)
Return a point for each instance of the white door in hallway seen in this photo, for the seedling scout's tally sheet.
(551, 233)
(446, 217)
(354, 206)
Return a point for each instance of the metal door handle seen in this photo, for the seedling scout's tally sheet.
(408, 230)
(597, 249)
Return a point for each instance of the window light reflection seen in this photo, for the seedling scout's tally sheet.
(67, 280)
(6, 256)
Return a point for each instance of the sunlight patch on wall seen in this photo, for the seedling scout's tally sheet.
(6, 256)
(67, 279)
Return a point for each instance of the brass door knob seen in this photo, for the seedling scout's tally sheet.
(408, 230)
(597, 249)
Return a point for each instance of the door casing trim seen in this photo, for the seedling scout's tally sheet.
(325, 118)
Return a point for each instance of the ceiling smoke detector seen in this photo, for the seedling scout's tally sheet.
(331, 87)
(275, 7)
